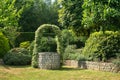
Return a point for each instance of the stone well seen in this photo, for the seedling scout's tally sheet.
(48, 60)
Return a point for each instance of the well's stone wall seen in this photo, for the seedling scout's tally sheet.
(49, 60)
(102, 66)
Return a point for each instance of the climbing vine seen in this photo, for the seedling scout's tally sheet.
(38, 36)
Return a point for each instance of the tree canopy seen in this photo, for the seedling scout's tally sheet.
(101, 14)
(38, 13)
(70, 14)
(9, 15)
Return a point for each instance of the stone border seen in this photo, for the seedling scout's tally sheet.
(101, 66)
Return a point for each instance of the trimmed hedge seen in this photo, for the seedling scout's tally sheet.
(25, 36)
(102, 46)
(4, 45)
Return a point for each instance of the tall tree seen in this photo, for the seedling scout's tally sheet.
(9, 15)
(37, 14)
(70, 14)
(101, 14)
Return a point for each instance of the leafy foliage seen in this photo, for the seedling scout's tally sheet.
(101, 15)
(24, 36)
(38, 13)
(11, 33)
(17, 56)
(47, 44)
(69, 38)
(4, 45)
(31, 47)
(25, 44)
(102, 46)
(70, 15)
(71, 53)
(9, 15)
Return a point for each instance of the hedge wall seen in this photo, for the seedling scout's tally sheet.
(25, 36)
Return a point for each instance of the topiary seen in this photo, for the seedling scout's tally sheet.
(38, 37)
(102, 46)
(17, 56)
(4, 45)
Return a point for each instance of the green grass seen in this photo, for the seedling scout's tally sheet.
(29, 73)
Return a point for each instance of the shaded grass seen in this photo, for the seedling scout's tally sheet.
(66, 73)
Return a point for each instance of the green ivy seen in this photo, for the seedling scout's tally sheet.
(38, 36)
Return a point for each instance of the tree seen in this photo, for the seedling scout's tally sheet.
(37, 14)
(11, 33)
(101, 15)
(70, 14)
(9, 15)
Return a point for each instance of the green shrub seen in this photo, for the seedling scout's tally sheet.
(102, 46)
(69, 38)
(47, 44)
(71, 53)
(19, 50)
(25, 44)
(4, 45)
(17, 56)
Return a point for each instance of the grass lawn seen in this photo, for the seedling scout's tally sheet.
(29, 73)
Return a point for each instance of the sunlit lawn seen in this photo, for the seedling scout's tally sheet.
(29, 73)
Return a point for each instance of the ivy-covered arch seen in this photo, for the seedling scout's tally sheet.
(39, 34)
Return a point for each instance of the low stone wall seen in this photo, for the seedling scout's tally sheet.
(49, 60)
(102, 66)
(71, 63)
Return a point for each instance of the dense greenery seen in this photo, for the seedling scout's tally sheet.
(77, 20)
(25, 44)
(69, 38)
(31, 47)
(4, 45)
(38, 37)
(101, 15)
(70, 15)
(11, 33)
(24, 36)
(37, 13)
(47, 44)
(71, 53)
(103, 46)
(9, 15)
(17, 56)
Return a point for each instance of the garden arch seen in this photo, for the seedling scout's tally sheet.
(38, 35)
